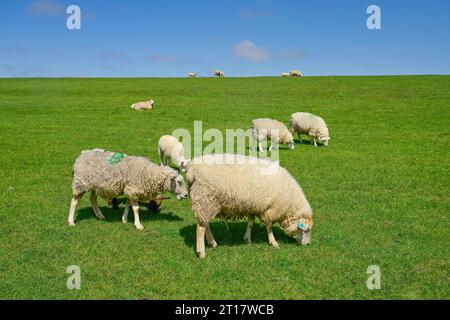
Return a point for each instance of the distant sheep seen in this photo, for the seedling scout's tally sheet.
(296, 73)
(277, 131)
(143, 105)
(285, 74)
(218, 73)
(232, 186)
(192, 74)
(110, 175)
(169, 148)
(312, 125)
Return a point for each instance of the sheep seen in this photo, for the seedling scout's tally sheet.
(232, 186)
(296, 73)
(143, 105)
(169, 148)
(218, 73)
(192, 74)
(314, 126)
(285, 74)
(109, 175)
(276, 130)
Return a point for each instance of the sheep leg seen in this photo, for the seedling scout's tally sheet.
(299, 138)
(73, 208)
(253, 144)
(271, 237)
(125, 212)
(314, 142)
(248, 232)
(260, 146)
(200, 250)
(97, 211)
(210, 237)
(137, 223)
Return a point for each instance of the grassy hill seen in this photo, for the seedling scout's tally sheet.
(380, 191)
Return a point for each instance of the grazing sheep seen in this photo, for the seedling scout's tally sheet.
(169, 148)
(285, 74)
(218, 73)
(143, 105)
(296, 73)
(312, 125)
(276, 130)
(192, 74)
(232, 186)
(109, 175)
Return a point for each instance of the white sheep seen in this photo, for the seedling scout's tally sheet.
(269, 128)
(312, 125)
(285, 74)
(109, 175)
(143, 105)
(218, 73)
(233, 186)
(295, 73)
(192, 74)
(169, 148)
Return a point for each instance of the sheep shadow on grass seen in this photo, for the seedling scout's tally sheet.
(232, 234)
(115, 215)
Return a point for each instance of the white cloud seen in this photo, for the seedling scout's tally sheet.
(248, 50)
(46, 8)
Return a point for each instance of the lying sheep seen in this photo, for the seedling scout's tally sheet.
(169, 148)
(218, 73)
(192, 74)
(312, 125)
(110, 175)
(285, 74)
(295, 73)
(143, 105)
(276, 130)
(232, 186)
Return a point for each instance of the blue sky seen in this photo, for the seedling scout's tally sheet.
(168, 38)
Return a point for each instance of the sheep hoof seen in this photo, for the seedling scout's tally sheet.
(274, 244)
(213, 244)
(140, 227)
(201, 255)
(247, 241)
(101, 218)
(72, 224)
(124, 221)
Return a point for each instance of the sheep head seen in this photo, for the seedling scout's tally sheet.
(175, 184)
(299, 228)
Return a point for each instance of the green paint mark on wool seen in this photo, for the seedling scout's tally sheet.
(116, 158)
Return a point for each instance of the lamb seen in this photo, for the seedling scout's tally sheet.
(169, 148)
(218, 73)
(143, 105)
(232, 186)
(296, 73)
(192, 74)
(314, 126)
(109, 175)
(276, 130)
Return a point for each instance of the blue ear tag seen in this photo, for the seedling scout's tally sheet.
(302, 225)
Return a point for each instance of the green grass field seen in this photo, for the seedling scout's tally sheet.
(380, 191)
